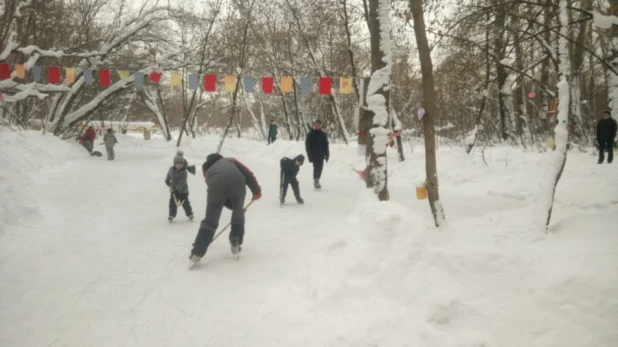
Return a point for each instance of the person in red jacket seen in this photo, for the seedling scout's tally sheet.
(90, 134)
(88, 139)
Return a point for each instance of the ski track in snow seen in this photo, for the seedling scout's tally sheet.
(99, 265)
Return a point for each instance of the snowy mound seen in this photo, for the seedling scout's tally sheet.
(23, 156)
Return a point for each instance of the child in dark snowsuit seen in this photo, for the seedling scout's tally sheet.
(179, 189)
(289, 170)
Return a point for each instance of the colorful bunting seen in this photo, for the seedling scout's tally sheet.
(36, 73)
(326, 85)
(88, 76)
(105, 78)
(5, 71)
(69, 75)
(20, 70)
(305, 85)
(345, 85)
(248, 83)
(210, 83)
(194, 81)
(53, 75)
(267, 84)
(287, 84)
(155, 77)
(123, 74)
(139, 80)
(230, 83)
(176, 80)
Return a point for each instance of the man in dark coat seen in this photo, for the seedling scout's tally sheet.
(289, 170)
(316, 145)
(226, 179)
(606, 132)
(273, 130)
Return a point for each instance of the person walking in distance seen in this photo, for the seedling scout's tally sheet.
(110, 140)
(273, 130)
(606, 132)
(316, 145)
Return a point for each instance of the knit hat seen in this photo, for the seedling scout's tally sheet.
(211, 159)
(178, 159)
(180, 153)
(300, 158)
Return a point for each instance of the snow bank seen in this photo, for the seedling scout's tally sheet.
(22, 156)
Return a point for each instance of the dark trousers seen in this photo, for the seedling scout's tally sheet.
(318, 165)
(287, 180)
(186, 205)
(209, 225)
(272, 138)
(606, 146)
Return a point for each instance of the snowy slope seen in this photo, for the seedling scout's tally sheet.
(87, 257)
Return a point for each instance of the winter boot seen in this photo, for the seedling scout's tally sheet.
(170, 219)
(316, 184)
(235, 243)
(191, 218)
(300, 200)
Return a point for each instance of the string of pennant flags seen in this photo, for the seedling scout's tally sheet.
(209, 82)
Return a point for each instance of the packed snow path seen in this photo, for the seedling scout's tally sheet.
(97, 263)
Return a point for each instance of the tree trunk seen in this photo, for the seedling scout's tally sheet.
(559, 156)
(429, 103)
(378, 97)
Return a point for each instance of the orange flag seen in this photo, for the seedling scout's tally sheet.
(287, 84)
(345, 85)
(69, 73)
(230, 83)
(20, 70)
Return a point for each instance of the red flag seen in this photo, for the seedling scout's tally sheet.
(53, 75)
(210, 83)
(5, 71)
(326, 85)
(105, 78)
(155, 77)
(267, 84)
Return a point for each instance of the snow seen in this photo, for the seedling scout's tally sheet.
(87, 257)
(603, 21)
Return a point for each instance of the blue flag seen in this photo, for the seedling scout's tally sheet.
(88, 76)
(36, 72)
(305, 85)
(194, 81)
(139, 80)
(249, 83)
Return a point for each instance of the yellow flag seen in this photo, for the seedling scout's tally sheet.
(70, 75)
(176, 80)
(287, 84)
(345, 85)
(123, 74)
(230, 83)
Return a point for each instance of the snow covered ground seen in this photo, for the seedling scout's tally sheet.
(87, 257)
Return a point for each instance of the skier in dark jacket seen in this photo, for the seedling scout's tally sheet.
(273, 130)
(606, 132)
(316, 145)
(289, 170)
(226, 179)
(176, 179)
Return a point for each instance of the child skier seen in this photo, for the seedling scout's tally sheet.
(179, 190)
(289, 170)
(110, 140)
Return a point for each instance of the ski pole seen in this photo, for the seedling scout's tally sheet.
(230, 223)
(281, 188)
